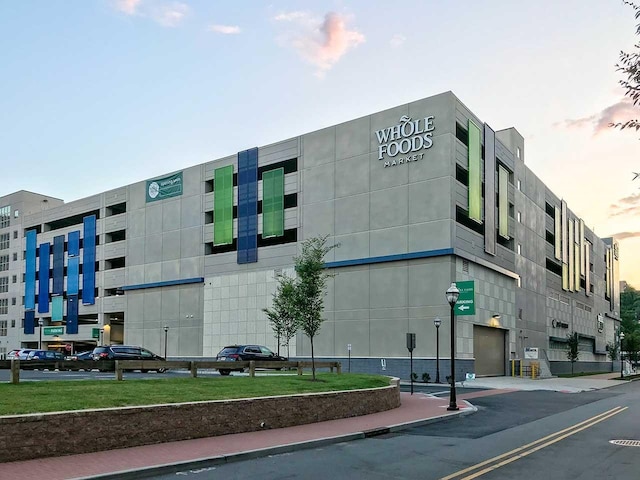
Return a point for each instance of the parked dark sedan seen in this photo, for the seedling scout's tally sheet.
(126, 352)
(237, 353)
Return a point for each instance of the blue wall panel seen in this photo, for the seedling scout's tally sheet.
(89, 261)
(72, 314)
(58, 265)
(43, 279)
(248, 206)
(29, 321)
(73, 262)
(30, 273)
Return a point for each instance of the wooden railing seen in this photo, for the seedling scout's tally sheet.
(120, 366)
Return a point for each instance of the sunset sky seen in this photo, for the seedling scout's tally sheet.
(103, 93)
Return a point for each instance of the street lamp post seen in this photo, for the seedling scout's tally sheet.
(102, 336)
(166, 331)
(40, 323)
(621, 362)
(452, 294)
(437, 322)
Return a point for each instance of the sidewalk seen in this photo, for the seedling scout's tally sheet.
(417, 409)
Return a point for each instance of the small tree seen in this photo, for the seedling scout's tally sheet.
(572, 348)
(282, 314)
(310, 288)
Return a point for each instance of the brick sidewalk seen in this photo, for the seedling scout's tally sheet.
(417, 408)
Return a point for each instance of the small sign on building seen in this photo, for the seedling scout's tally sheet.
(531, 352)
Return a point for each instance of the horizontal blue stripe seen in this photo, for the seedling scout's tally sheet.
(167, 283)
(390, 258)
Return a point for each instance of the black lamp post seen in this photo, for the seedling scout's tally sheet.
(166, 331)
(621, 362)
(437, 322)
(102, 336)
(40, 323)
(452, 297)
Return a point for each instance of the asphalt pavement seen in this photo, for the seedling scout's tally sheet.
(418, 409)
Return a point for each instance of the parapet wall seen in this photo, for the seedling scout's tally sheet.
(31, 436)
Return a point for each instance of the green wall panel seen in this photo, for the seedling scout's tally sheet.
(223, 205)
(475, 180)
(273, 203)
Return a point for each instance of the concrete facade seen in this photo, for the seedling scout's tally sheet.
(404, 232)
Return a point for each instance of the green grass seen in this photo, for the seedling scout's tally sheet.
(40, 397)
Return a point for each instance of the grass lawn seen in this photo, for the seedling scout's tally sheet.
(39, 397)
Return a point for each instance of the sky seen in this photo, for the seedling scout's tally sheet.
(97, 94)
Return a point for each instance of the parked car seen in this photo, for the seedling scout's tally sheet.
(13, 354)
(45, 355)
(237, 353)
(126, 352)
(19, 354)
(88, 355)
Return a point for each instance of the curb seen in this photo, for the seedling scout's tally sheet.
(204, 463)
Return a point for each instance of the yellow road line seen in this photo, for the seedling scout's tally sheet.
(572, 429)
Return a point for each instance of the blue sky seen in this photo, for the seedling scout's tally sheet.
(139, 88)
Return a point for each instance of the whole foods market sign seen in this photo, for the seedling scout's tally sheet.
(406, 141)
(166, 187)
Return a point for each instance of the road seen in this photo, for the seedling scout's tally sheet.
(517, 435)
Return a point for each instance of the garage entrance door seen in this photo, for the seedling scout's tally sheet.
(488, 349)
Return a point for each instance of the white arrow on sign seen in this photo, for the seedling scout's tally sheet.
(463, 307)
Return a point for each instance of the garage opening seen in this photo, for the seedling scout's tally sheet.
(489, 351)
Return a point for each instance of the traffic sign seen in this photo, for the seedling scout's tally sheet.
(466, 304)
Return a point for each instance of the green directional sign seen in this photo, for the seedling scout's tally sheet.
(53, 330)
(466, 304)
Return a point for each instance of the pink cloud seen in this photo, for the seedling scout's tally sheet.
(225, 29)
(397, 40)
(321, 42)
(601, 121)
(170, 15)
(628, 206)
(623, 235)
(127, 6)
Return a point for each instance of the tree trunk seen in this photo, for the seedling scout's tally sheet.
(313, 361)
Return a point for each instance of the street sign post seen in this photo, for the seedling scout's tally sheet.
(466, 304)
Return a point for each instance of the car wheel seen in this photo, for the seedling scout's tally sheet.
(224, 372)
(144, 371)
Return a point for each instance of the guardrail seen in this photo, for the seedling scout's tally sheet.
(120, 366)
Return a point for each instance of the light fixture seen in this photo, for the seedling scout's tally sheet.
(452, 295)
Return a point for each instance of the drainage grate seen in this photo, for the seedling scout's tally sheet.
(626, 443)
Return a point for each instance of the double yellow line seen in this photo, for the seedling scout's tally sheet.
(520, 452)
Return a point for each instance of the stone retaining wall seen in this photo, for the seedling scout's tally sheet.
(24, 437)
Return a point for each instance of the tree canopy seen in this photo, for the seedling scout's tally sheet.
(629, 65)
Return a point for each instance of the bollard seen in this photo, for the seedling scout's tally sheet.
(252, 368)
(118, 371)
(15, 371)
(339, 368)
(299, 368)
(194, 369)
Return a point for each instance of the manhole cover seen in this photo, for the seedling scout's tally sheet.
(626, 443)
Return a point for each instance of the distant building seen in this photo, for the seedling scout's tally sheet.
(418, 196)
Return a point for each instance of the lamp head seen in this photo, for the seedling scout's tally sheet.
(166, 329)
(437, 322)
(40, 322)
(452, 294)
(621, 335)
